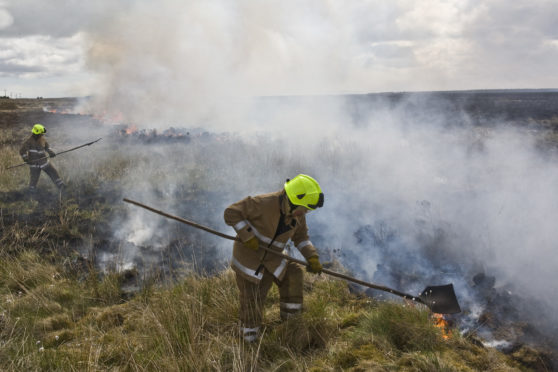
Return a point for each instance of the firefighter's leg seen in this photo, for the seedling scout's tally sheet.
(53, 174)
(252, 297)
(290, 291)
(34, 173)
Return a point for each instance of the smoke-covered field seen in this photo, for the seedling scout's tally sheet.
(416, 195)
(413, 198)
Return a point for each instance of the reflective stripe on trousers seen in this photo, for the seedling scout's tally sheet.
(290, 306)
(289, 309)
(250, 334)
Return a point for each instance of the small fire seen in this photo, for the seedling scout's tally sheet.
(442, 323)
(131, 129)
(59, 111)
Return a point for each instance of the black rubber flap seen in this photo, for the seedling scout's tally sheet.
(441, 299)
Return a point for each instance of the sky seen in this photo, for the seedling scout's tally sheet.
(75, 48)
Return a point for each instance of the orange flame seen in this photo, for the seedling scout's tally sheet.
(58, 111)
(442, 323)
(131, 129)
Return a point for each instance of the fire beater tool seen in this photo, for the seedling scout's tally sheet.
(440, 299)
(59, 153)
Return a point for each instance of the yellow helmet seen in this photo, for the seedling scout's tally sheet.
(38, 129)
(305, 191)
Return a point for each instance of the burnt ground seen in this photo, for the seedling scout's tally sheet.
(79, 219)
(530, 109)
(23, 112)
(490, 107)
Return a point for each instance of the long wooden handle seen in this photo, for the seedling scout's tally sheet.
(61, 152)
(179, 219)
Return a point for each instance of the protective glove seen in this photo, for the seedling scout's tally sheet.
(252, 243)
(25, 159)
(51, 153)
(314, 265)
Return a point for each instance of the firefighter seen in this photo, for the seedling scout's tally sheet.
(270, 220)
(34, 152)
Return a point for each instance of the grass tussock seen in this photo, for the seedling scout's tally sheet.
(51, 321)
(405, 328)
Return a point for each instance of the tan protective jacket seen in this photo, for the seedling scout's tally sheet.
(259, 216)
(34, 149)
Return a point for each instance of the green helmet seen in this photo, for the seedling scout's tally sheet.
(38, 129)
(305, 191)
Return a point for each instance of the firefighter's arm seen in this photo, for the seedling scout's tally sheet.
(237, 215)
(304, 245)
(24, 153)
(51, 153)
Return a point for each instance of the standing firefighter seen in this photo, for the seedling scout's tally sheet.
(270, 220)
(34, 152)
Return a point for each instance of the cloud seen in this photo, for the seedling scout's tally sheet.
(514, 35)
(40, 56)
(57, 18)
(434, 18)
(290, 47)
(6, 18)
(7, 69)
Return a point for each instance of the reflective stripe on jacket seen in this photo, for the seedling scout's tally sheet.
(259, 216)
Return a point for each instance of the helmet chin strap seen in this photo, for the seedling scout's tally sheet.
(292, 207)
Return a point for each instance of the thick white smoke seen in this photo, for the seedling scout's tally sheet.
(203, 64)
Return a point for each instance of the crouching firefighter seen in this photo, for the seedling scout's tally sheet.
(34, 152)
(270, 220)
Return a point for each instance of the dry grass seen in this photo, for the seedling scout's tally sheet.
(50, 321)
